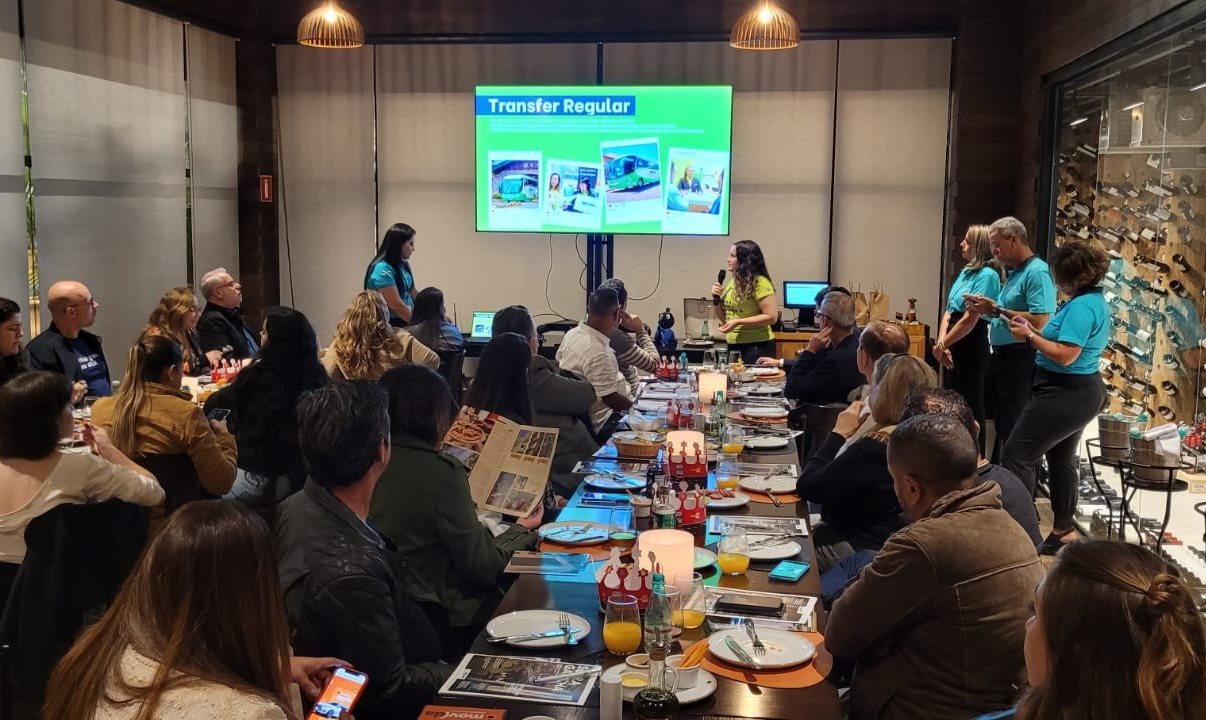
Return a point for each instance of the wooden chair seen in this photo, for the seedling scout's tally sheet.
(816, 421)
(452, 366)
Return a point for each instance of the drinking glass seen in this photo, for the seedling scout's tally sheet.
(620, 530)
(672, 597)
(735, 360)
(622, 625)
(733, 554)
(709, 358)
(733, 441)
(727, 476)
(692, 600)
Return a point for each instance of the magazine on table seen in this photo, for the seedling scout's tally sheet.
(608, 466)
(508, 463)
(757, 525)
(799, 611)
(527, 562)
(537, 680)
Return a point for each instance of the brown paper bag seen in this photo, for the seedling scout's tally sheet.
(878, 302)
(862, 309)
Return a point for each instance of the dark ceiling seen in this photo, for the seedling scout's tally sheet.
(401, 20)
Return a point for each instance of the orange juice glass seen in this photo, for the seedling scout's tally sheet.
(622, 625)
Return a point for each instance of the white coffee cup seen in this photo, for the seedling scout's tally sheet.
(687, 677)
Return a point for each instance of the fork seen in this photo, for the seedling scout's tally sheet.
(759, 646)
(563, 622)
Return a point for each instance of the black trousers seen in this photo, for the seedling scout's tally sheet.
(970, 356)
(1059, 408)
(1010, 375)
(750, 352)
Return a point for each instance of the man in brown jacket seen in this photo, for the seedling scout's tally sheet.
(935, 624)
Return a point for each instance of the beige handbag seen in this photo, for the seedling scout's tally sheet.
(878, 303)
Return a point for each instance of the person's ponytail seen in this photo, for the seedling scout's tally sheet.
(1171, 664)
(147, 361)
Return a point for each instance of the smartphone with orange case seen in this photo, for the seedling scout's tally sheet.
(340, 694)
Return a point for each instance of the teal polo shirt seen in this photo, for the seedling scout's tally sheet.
(1027, 289)
(1083, 321)
(984, 281)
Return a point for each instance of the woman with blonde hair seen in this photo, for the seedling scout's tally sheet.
(858, 502)
(1115, 634)
(366, 345)
(962, 345)
(151, 416)
(176, 317)
(198, 631)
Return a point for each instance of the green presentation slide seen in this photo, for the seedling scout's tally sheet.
(604, 159)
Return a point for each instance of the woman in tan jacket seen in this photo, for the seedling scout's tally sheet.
(197, 632)
(151, 416)
(366, 345)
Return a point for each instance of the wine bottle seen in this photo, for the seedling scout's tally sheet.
(1151, 263)
(1168, 387)
(1180, 261)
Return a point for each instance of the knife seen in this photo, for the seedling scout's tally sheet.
(741, 654)
(532, 636)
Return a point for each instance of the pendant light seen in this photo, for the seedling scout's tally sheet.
(766, 26)
(330, 26)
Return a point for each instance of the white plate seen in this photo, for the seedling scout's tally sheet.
(607, 482)
(574, 533)
(738, 500)
(764, 413)
(764, 389)
(778, 551)
(534, 621)
(650, 406)
(699, 343)
(703, 688)
(704, 558)
(766, 442)
(764, 371)
(774, 483)
(783, 649)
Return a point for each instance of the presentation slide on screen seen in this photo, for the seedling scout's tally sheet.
(604, 159)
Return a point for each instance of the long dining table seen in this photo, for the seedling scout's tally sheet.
(578, 594)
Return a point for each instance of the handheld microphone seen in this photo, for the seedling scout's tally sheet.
(719, 279)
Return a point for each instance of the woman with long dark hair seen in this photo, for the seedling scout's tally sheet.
(1067, 391)
(263, 401)
(176, 317)
(962, 346)
(389, 273)
(198, 631)
(11, 356)
(151, 416)
(1115, 634)
(429, 322)
(501, 383)
(423, 503)
(747, 307)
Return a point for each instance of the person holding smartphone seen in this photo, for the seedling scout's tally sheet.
(232, 662)
(1028, 293)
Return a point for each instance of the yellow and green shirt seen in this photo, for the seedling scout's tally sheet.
(736, 306)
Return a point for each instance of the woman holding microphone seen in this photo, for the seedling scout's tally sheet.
(962, 346)
(1067, 390)
(745, 304)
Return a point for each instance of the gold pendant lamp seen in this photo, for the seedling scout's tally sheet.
(330, 26)
(766, 26)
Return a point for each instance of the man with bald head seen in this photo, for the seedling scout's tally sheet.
(66, 346)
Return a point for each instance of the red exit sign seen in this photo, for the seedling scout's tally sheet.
(265, 188)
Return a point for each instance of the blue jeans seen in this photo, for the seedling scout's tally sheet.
(835, 579)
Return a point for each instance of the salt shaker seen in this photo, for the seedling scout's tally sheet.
(611, 698)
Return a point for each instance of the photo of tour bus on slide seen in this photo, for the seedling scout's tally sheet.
(515, 189)
(633, 175)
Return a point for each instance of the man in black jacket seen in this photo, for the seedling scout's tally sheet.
(827, 371)
(66, 347)
(221, 329)
(347, 592)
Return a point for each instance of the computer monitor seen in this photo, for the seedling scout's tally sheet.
(483, 324)
(798, 294)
